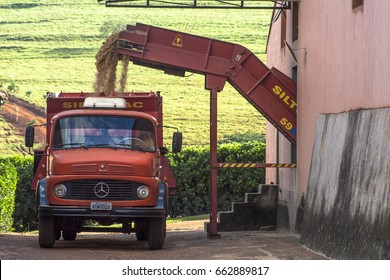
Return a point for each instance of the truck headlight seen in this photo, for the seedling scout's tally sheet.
(143, 192)
(60, 190)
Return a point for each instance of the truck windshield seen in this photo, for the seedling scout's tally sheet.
(104, 131)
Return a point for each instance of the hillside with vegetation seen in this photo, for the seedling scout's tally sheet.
(50, 46)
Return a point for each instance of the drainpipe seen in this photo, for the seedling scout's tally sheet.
(277, 156)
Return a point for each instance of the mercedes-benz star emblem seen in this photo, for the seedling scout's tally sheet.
(101, 190)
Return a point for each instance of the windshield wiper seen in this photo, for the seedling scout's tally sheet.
(82, 145)
(137, 147)
(98, 145)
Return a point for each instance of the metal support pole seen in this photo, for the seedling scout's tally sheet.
(215, 84)
(213, 164)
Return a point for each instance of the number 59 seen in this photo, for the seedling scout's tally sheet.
(286, 124)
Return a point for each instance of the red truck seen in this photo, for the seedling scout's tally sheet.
(103, 161)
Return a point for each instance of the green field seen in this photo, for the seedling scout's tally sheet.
(50, 45)
(10, 143)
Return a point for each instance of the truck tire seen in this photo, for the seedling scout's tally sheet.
(156, 235)
(69, 235)
(141, 232)
(47, 232)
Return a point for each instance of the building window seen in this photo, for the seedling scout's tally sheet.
(295, 21)
(357, 3)
(283, 24)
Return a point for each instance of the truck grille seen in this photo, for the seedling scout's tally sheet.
(113, 190)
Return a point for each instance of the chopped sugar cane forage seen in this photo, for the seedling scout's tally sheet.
(106, 66)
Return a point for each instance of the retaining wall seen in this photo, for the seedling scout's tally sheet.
(347, 207)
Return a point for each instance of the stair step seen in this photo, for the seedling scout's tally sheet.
(257, 212)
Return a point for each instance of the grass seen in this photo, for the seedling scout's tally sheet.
(187, 219)
(50, 45)
(169, 220)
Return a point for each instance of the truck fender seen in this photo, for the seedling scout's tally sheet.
(41, 192)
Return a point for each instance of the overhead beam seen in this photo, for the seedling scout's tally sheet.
(200, 4)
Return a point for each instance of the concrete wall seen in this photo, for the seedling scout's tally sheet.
(347, 209)
(346, 65)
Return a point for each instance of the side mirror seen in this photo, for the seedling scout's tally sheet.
(29, 136)
(163, 151)
(177, 141)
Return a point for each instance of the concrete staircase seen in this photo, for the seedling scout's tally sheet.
(257, 212)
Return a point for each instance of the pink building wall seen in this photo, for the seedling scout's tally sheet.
(343, 64)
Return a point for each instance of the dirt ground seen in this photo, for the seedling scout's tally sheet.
(184, 241)
(18, 116)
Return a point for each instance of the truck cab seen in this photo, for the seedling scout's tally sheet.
(103, 162)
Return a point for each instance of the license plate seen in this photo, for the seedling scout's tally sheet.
(101, 205)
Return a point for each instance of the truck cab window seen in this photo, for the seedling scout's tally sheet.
(104, 131)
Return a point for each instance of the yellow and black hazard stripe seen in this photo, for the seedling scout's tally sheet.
(257, 165)
(283, 165)
(238, 165)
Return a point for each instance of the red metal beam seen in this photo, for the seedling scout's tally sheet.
(271, 92)
(215, 84)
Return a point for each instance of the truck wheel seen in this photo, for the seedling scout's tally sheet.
(69, 235)
(156, 236)
(141, 232)
(47, 232)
